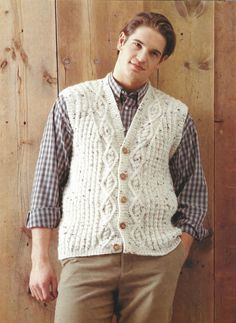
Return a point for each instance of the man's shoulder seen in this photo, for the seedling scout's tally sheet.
(168, 100)
(90, 86)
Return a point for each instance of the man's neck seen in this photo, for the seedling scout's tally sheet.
(126, 84)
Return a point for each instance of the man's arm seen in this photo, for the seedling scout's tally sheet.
(50, 177)
(187, 240)
(190, 187)
(43, 280)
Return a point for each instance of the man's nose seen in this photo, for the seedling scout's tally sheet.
(142, 56)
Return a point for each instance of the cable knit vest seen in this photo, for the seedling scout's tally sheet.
(119, 196)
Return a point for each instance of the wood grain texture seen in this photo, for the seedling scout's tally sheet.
(87, 33)
(87, 36)
(189, 76)
(225, 161)
(27, 89)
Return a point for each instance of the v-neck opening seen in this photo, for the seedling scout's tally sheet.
(115, 113)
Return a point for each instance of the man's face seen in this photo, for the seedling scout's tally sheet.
(140, 55)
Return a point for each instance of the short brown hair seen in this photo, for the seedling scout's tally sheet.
(156, 21)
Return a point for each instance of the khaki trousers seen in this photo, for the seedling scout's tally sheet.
(140, 289)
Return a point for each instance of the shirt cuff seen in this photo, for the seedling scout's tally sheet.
(199, 233)
(44, 218)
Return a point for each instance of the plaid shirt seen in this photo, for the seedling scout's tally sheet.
(53, 166)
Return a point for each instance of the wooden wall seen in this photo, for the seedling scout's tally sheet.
(28, 74)
(225, 163)
(48, 45)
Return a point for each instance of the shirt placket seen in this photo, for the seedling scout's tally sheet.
(127, 109)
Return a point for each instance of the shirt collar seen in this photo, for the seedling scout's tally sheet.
(118, 90)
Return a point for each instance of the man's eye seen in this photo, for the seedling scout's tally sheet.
(155, 54)
(137, 44)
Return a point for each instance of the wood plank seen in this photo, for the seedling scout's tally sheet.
(28, 87)
(189, 76)
(87, 46)
(225, 161)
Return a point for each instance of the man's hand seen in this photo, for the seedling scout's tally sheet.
(187, 240)
(43, 281)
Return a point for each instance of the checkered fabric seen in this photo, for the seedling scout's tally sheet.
(54, 163)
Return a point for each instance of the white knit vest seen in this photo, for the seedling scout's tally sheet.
(119, 196)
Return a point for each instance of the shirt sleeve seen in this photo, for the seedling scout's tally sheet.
(189, 184)
(52, 169)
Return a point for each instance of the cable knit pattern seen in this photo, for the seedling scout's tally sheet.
(97, 199)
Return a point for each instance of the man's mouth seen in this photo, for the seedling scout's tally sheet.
(137, 67)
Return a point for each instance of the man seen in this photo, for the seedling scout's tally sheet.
(119, 171)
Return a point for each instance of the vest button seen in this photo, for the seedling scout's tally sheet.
(122, 225)
(124, 199)
(123, 176)
(116, 247)
(125, 150)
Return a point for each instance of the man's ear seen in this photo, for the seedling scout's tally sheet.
(121, 41)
